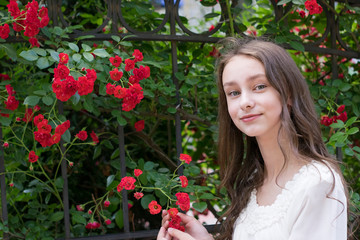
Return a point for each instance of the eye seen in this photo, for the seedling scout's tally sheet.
(260, 87)
(233, 93)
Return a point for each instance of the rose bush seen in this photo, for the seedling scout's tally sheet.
(56, 91)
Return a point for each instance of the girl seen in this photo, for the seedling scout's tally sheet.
(281, 181)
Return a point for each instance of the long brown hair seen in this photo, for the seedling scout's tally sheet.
(241, 163)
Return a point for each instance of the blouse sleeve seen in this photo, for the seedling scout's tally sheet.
(318, 216)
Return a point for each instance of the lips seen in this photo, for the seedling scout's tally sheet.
(250, 117)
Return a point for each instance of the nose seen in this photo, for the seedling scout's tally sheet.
(246, 101)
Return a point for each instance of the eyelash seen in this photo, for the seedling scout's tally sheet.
(257, 87)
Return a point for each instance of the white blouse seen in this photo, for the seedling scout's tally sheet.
(302, 211)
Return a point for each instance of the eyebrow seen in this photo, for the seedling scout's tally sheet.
(251, 78)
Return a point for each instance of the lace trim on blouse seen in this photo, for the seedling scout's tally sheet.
(255, 217)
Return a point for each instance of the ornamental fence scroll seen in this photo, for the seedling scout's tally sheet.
(173, 29)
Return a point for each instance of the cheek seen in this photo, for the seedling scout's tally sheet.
(232, 110)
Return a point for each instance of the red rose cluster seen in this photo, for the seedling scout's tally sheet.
(342, 115)
(183, 201)
(30, 20)
(313, 7)
(11, 103)
(175, 220)
(127, 183)
(92, 225)
(43, 134)
(132, 95)
(65, 86)
(154, 207)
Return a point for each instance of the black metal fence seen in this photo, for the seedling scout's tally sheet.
(172, 18)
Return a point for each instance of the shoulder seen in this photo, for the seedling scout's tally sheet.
(320, 179)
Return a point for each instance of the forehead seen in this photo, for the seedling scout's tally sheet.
(242, 67)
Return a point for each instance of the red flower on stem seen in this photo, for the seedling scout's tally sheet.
(186, 158)
(82, 135)
(116, 75)
(127, 183)
(129, 64)
(33, 157)
(116, 61)
(94, 137)
(63, 58)
(107, 221)
(137, 172)
(183, 201)
(184, 181)
(138, 55)
(154, 207)
(92, 225)
(175, 222)
(173, 211)
(139, 125)
(4, 31)
(313, 7)
(107, 203)
(138, 195)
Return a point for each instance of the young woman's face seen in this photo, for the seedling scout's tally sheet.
(253, 104)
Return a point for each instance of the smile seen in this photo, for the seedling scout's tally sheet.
(249, 118)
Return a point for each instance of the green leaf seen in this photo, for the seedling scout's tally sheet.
(350, 121)
(77, 218)
(353, 130)
(171, 110)
(97, 152)
(180, 76)
(74, 47)
(47, 100)
(115, 154)
(121, 121)
(212, 15)
(200, 207)
(145, 200)
(297, 46)
(207, 196)
(338, 124)
(5, 121)
(100, 52)
(88, 56)
(283, 2)
(119, 218)
(42, 63)
(10, 51)
(149, 166)
(76, 57)
(39, 51)
(40, 92)
(57, 216)
(29, 55)
(85, 47)
(85, 37)
(126, 44)
(59, 182)
(54, 55)
(66, 136)
(109, 180)
(31, 100)
(116, 38)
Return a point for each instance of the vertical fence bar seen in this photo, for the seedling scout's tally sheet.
(123, 174)
(4, 212)
(334, 59)
(65, 186)
(173, 11)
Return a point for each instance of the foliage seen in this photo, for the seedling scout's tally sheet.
(34, 195)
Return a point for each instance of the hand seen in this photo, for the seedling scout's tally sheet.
(193, 229)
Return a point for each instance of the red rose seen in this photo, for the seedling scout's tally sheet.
(116, 75)
(137, 172)
(340, 109)
(61, 71)
(6, 145)
(211, 28)
(10, 90)
(175, 222)
(139, 125)
(172, 212)
(80, 208)
(129, 64)
(13, 8)
(127, 183)
(138, 195)
(82, 135)
(138, 55)
(108, 221)
(107, 203)
(91, 74)
(302, 14)
(184, 181)
(4, 31)
(56, 139)
(92, 225)
(11, 103)
(61, 129)
(34, 42)
(120, 92)
(94, 137)
(185, 157)
(28, 115)
(84, 86)
(183, 201)
(38, 119)
(63, 58)
(33, 157)
(313, 7)
(116, 61)
(154, 207)
(110, 88)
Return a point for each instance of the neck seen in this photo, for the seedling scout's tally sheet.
(272, 155)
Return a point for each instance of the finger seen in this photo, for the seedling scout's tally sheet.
(165, 218)
(161, 234)
(185, 218)
(179, 234)
(164, 213)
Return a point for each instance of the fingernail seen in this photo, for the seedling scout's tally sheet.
(170, 229)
